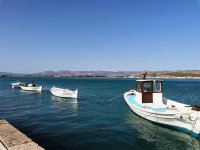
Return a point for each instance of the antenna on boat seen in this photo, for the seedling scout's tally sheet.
(144, 75)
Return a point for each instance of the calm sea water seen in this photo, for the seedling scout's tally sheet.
(94, 121)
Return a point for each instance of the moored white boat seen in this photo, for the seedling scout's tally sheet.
(16, 84)
(31, 87)
(59, 92)
(148, 102)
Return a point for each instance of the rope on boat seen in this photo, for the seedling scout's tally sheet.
(108, 100)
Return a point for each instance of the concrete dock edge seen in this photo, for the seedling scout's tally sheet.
(12, 139)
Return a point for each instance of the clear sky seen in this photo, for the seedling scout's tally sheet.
(129, 35)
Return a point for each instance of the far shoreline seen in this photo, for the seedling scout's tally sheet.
(108, 77)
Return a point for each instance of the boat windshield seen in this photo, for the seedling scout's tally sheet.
(147, 87)
(157, 87)
(138, 87)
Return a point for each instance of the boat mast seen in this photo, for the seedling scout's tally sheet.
(144, 75)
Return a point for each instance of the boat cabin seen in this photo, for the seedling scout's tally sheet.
(149, 91)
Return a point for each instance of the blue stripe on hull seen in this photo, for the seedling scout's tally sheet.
(197, 136)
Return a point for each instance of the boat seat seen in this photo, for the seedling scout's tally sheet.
(155, 107)
(150, 106)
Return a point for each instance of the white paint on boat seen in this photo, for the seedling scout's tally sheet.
(30, 87)
(59, 92)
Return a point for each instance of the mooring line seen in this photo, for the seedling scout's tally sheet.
(108, 100)
(115, 97)
(84, 130)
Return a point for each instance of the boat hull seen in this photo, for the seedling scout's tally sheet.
(171, 120)
(31, 88)
(15, 86)
(64, 93)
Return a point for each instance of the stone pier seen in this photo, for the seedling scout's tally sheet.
(12, 139)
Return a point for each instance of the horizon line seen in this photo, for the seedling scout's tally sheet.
(100, 71)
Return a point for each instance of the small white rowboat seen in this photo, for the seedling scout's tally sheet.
(147, 101)
(31, 87)
(59, 92)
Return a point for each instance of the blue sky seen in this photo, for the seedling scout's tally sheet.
(130, 35)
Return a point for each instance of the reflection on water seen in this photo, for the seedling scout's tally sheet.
(158, 137)
(63, 103)
(23, 92)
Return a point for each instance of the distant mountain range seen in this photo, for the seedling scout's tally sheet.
(185, 73)
(86, 73)
(73, 73)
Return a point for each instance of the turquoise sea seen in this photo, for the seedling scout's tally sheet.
(95, 121)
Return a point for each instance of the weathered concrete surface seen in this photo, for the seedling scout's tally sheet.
(13, 139)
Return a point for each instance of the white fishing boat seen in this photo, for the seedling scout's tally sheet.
(31, 87)
(148, 102)
(16, 84)
(59, 92)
